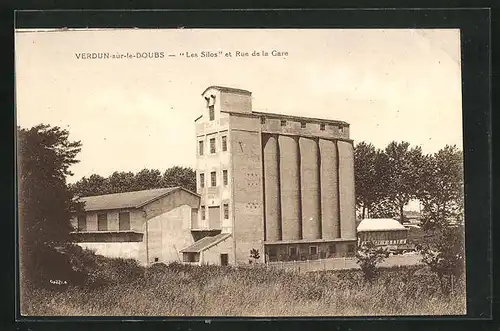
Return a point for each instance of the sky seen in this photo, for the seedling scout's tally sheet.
(139, 113)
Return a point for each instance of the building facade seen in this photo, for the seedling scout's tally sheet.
(281, 184)
(148, 226)
(383, 232)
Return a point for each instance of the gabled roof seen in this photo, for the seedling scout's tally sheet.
(228, 89)
(380, 224)
(205, 243)
(134, 199)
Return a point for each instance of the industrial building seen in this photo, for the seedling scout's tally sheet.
(283, 185)
(386, 232)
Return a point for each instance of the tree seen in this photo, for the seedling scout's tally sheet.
(368, 256)
(94, 185)
(180, 176)
(254, 255)
(122, 181)
(370, 173)
(44, 201)
(441, 188)
(404, 171)
(446, 256)
(147, 179)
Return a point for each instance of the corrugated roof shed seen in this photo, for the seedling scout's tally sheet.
(205, 243)
(134, 199)
(380, 224)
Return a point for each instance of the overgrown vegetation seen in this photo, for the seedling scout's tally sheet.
(368, 256)
(184, 290)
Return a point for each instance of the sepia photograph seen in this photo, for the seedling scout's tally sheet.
(240, 172)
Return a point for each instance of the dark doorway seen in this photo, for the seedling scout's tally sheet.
(224, 259)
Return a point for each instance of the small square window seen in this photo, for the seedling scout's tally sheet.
(292, 251)
(211, 112)
(313, 250)
(224, 143)
(283, 122)
(262, 120)
(156, 259)
(202, 180)
(212, 145)
(224, 176)
(322, 126)
(303, 125)
(200, 147)
(226, 211)
(213, 178)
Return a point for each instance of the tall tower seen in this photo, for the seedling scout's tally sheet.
(281, 184)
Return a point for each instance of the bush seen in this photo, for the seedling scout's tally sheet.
(369, 256)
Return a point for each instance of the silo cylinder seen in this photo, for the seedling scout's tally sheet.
(272, 189)
(290, 185)
(329, 190)
(347, 194)
(309, 175)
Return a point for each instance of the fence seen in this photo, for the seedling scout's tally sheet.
(343, 263)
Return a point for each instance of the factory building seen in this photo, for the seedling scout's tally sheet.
(281, 184)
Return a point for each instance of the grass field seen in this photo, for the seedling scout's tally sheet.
(178, 290)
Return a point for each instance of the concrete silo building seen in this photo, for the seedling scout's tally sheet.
(283, 185)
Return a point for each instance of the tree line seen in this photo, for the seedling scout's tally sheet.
(119, 182)
(387, 179)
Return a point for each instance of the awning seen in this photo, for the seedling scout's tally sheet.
(205, 243)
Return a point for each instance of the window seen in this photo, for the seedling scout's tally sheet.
(226, 211)
(213, 178)
(292, 251)
(211, 112)
(224, 259)
(331, 249)
(350, 248)
(322, 126)
(262, 120)
(283, 122)
(224, 143)
(341, 129)
(313, 250)
(102, 222)
(200, 147)
(156, 259)
(202, 180)
(303, 125)
(82, 223)
(224, 176)
(203, 213)
(212, 145)
(191, 257)
(124, 221)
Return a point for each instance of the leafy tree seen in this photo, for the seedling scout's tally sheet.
(121, 181)
(368, 256)
(94, 185)
(404, 172)
(44, 201)
(445, 256)
(147, 179)
(441, 187)
(370, 173)
(180, 176)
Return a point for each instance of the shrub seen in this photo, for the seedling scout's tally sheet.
(368, 256)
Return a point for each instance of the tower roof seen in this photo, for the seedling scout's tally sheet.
(227, 89)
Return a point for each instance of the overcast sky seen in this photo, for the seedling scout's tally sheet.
(132, 114)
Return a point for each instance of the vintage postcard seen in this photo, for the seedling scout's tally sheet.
(240, 172)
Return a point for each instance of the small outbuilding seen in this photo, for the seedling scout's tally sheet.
(382, 232)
